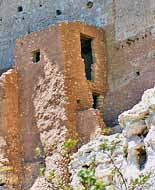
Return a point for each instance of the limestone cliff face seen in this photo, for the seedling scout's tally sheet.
(134, 154)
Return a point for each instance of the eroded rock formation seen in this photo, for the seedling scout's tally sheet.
(134, 154)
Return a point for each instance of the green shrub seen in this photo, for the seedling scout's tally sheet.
(38, 151)
(89, 181)
(51, 175)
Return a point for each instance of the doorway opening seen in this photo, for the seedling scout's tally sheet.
(36, 56)
(87, 55)
(96, 101)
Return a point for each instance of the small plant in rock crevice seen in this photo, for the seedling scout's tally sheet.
(70, 145)
(42, 172)
(51, 175)
(140, 181)
(106, 131)
(89, 181)
(87, 175)
(38, 152)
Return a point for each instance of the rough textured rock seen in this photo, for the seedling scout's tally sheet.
(86, 154)
(134, 154)
(49, 99)
(138, 124)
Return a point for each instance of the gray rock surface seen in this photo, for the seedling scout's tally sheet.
(134, 154)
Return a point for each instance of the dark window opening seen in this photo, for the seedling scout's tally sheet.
(40, 5)
(78, 101)
(95, 101)
(138, 73)
(36, 56)
(86, 167)
(142, 158)
(90, 4)
(58, 12)
(20, 9)
(29, 30)
(87, 55)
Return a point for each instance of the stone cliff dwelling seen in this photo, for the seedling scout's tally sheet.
(60, 74)
(65, 80)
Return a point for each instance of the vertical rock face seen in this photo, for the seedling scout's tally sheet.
(134, 153)
(133, 17)
(139, 126)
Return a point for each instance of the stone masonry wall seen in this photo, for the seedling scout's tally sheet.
(79, 90)
(48, 93)
(10, 139)
(34, 107)
(126, 19)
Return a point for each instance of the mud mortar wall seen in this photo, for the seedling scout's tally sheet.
(34, 121)
(10, 148)
(79, 89)
(127, 18)
(48, 93)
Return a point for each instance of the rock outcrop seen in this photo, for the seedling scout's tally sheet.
(134, 153)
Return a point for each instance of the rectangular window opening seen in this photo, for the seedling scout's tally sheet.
(36, 56)
(20, 9)
(96, 101)
(87, 55)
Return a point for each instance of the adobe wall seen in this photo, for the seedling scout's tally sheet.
(10, 139)
(126, 19)
(41, 100)
(48, 94)
(79, 90)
